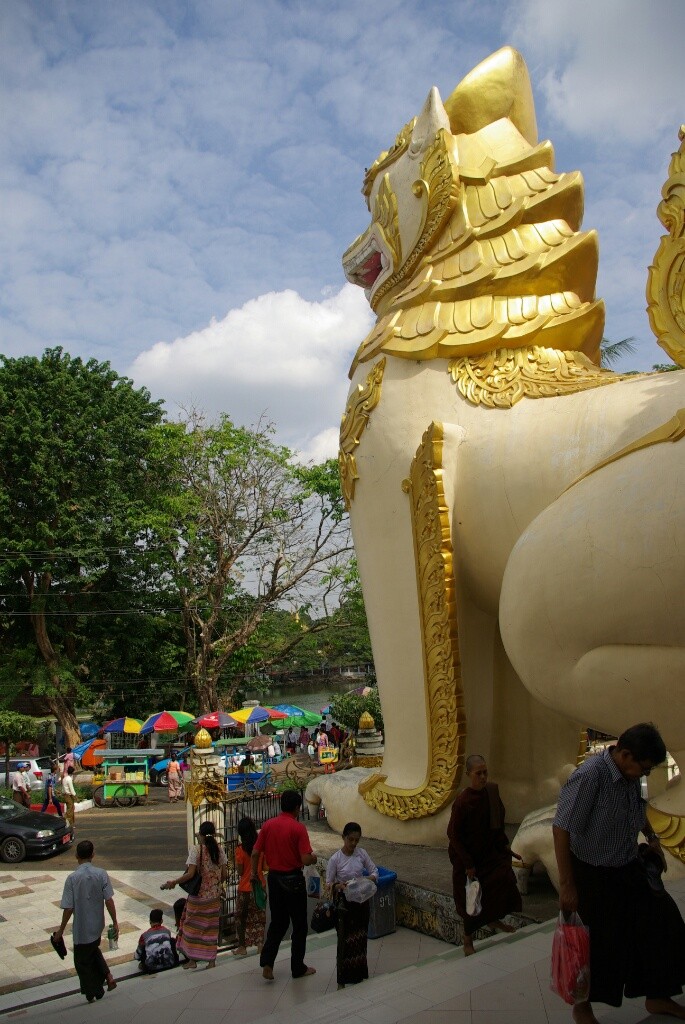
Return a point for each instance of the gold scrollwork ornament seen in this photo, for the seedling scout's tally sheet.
(666, 280)
(442, 668)
(360, 405)
(501, 378)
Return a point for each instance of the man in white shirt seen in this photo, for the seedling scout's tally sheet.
(87, 891)
(21, 786)
(69, 794)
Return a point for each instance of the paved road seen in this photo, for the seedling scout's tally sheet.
(151, 837)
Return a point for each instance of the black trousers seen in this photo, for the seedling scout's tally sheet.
(288, 902)
(91, 968)
(637, 936)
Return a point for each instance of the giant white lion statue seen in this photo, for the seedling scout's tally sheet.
(517, 512)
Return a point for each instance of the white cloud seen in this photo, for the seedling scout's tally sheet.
(608, 68)
(278, 356)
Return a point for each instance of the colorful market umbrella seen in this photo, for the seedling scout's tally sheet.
(131, 725)
(306, 719)
(215, 720)
(166, 721)
(258, 714)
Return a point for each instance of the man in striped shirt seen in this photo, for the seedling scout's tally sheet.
(637, 937)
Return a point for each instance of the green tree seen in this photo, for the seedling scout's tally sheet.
(347, 709)
(13, 728)
(242, 529)
(75, 477)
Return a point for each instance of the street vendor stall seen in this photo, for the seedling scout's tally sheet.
(122, 778)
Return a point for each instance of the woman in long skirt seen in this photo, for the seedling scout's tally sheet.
(174, 780)
(199, 931)
(250, 918)
(352, 919)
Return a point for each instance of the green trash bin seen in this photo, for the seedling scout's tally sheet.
(382, 917)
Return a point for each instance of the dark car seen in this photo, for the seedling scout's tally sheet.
(29, 833)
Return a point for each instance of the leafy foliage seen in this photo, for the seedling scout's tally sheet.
(75, 442)
(347, 709)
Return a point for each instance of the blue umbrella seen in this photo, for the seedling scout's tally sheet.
(88, 730)
(291, 710)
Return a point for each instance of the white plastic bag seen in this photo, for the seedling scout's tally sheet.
(473, 894)
(313, 881)
(359, 890)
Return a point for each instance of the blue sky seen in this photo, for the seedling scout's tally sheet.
(180, 179)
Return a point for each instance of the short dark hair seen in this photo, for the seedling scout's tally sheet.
(350, 828)
(472, 760)
(644, 742)
(156, 915)
(70, 770)
(85, 849)
(291, 800)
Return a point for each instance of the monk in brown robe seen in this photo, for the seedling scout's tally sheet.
(479, 848)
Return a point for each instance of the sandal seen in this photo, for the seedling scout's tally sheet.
(189, 965)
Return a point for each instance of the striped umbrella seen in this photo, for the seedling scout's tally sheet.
(131, 725)
(215, 720)
(258, 714)
(166, 721)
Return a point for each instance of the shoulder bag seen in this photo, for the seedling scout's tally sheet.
(192, 886)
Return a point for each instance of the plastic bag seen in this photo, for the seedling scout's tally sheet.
(570, 969)
(313, 881)
(359, 890)
(473, 895)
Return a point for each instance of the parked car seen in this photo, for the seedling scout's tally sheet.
(158, 770)
(37, 770)
(29, 833)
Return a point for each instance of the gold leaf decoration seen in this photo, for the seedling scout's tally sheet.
(439, 185)
(385, 214)
(442, 668)
(360, 405)
(666, 280)
(385, 159)
(501, 378)
(670, 829)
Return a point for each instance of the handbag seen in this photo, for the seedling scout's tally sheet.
(192, 886)
(324, 917)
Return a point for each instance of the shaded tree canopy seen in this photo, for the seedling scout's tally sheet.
(242, 529)
(75, 443)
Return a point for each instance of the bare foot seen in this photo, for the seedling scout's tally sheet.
(669, 1007)
(468, 946)
(582, 1014)
(268, 973)
(500, 926)
(239, 951)
(310, 970)
(111, 983)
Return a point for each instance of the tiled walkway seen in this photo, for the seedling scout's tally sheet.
(416, 980)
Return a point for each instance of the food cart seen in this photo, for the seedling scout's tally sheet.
(122, 781)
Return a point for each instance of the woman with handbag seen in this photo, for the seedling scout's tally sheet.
(206, 871)
(251, 917)
(352, 919)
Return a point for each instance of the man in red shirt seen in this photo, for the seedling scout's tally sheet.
(285, 844)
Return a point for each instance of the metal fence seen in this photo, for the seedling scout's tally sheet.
(258, 806)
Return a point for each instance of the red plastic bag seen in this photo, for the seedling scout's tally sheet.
(570, 973)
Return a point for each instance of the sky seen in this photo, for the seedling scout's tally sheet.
(179, 178)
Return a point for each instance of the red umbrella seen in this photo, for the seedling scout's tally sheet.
(215, 720)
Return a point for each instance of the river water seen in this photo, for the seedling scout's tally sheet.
(311, 696)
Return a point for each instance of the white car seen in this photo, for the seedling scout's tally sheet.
(38, 770)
